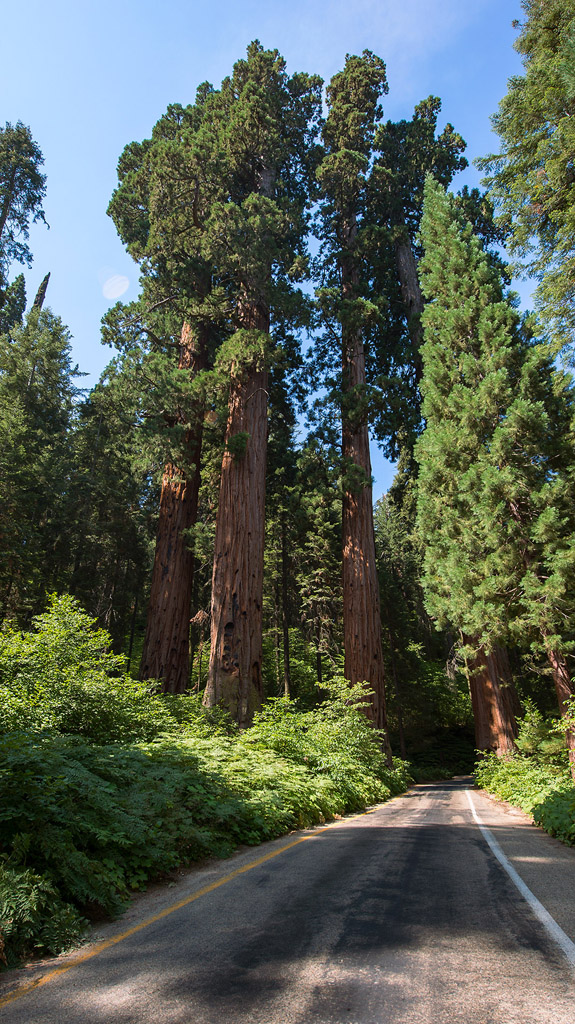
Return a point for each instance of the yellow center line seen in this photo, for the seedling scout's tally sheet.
(100, 947)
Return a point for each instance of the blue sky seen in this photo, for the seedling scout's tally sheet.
(90, 77)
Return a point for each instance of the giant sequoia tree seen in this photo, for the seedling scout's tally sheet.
(353, 103)
(160, 209)
(264, 126)
(496, 500)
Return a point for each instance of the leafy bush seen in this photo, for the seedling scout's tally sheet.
(83, 821)
(537, 778)
(33, 917)
(62, 676)
(540, 737)
(335, 740)
(94, 822)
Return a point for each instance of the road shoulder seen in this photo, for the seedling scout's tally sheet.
(546, 865)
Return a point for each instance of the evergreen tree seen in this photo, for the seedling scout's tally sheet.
(318, 546)
(14, 305)
(37, 397)
(164, 234)
(353, 111)
(22, 189)
(109, 506)
(265, 125)
(469, 346)
(496, 468)
(532, 178)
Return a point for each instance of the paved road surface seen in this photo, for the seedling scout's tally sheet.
(400, 916)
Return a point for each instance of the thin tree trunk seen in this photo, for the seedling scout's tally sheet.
(361, 608)
(318, 661)
(495, 724)
(285, 618)
(166, 652)
(277, 644)
(132, 632)
(394, 676)
(234, 677)
(564, 690)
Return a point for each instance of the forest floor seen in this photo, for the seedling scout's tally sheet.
(402, 914)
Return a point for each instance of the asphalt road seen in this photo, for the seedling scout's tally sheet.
(400, 916)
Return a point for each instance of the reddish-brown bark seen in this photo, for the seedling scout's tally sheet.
(166, 652)
(361, 608)
(234, 678)
(494, 701)
(564, 690)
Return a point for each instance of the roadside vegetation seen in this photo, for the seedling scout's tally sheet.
(106, 785)
(536, 777)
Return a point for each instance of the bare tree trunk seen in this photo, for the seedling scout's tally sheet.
(361, 609)
(318, 661)
(493, 699)
(41, 294)
(166, 652)
(410, 292)
(564, 690)
(234, 678)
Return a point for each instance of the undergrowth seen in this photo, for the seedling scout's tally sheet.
(106, 784)
(537, 778)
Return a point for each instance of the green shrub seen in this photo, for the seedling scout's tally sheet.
(61, 676)
(34, 920)
(97, 821)
(537, 778)
(334, 740)
(105, 784)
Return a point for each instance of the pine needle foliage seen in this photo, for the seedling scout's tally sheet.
(532, 178)
(495, 505)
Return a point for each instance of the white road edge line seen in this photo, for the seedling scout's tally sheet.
(548, 922)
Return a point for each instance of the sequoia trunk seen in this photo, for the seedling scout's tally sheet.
(493, 700)
(234, 678)
(166, 653)
(564, 691)
(361, 608)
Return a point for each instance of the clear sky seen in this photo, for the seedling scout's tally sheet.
(89, 77)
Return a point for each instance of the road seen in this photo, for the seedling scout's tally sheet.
(399, 916)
